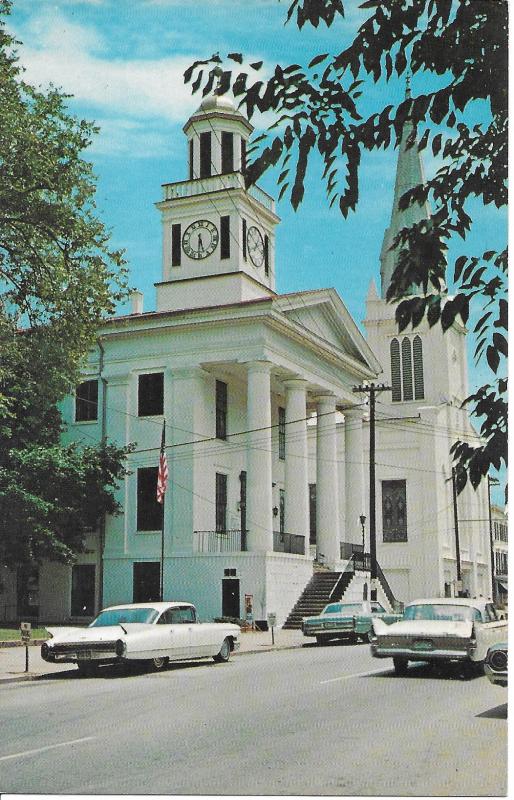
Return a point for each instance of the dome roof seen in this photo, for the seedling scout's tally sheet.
(216, 102)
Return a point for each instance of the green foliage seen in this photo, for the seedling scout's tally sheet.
(58, 279)
(462, 44)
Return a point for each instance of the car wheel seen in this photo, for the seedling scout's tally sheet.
(224, 653)
(87, 670)
(366, 637)
(321, 640)
(159, 663)
(400, 665)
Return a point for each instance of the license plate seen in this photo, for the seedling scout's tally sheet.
(85, 655)
(423, 644)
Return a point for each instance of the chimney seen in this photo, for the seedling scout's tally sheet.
(136, 299)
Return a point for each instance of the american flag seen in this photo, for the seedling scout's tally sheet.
(162, 474)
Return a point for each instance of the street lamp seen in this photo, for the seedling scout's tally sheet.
(362, 520)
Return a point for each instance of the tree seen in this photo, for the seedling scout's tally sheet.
(462, 46)
(58, 279)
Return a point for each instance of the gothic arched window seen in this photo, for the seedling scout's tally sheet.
(396, 378)
(407, 369)
(417, 352)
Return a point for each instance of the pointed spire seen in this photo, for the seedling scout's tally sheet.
(409, 173)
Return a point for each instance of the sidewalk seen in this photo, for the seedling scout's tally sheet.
(12, 659)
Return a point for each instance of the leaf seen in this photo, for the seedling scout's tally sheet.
(236, 57)
(493, 358)
(318, 60)
(257, 65)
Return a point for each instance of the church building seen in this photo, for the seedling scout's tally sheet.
(265, 437)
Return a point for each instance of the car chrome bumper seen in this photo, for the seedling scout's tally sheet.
(420, 655)
(499, 678)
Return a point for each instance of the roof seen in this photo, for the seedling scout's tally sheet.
(473, 602)
(158, 606)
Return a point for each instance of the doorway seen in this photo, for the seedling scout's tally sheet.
(146, 581)
(230, 598)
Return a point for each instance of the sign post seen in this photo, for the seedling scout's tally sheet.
(272, 621)
(25, 638)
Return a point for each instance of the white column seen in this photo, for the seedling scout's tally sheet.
(296, 466)
(354, 475)
(259, 502)
(327, 498)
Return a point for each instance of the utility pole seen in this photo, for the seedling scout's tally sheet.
(456, 524)
(372, 389)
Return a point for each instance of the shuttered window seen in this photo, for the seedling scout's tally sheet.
(417, 351)
(227, 152)
(205, 155)
(221, 502)
(396, 378)
(244, 240)
(224, 237)
(407, 369)
(221, 410)
(394, 511)
(176, 248)
(281, 433)
(266, 255)
(243, 155)
(191, 162)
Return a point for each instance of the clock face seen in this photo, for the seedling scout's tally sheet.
(255, 244)
(200, 239)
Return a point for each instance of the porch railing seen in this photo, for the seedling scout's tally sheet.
(231, 541)
(288, 543)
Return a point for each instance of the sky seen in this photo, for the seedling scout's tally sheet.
(123, 63)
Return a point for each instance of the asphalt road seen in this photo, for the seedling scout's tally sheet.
(316, 720)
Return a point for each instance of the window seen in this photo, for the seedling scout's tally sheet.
(282, 510)
(312, 513)
(281, 433)
(151, 394)
(407, 381)
(83, 590)
(146, 583)
(243, 155)
(225, 237)
(176, 245)
(205, 155)
(266, 254)
(221, 502)
(394, 511)
(221, 410)
(227, 152)
(86, 401)
(149, 511)
(244, 240)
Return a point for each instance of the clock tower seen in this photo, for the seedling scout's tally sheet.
(218, 236)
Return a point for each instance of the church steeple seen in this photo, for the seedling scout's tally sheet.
(409, 173)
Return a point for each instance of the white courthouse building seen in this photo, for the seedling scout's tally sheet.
(266, 439)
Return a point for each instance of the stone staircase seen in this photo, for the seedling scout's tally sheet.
(314, 597)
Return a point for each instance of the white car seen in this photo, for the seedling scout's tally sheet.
(153, 632)
(440, 629)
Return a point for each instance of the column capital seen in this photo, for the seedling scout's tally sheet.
(295, 383)
(258, 366)
(355, 412)
(327, 400)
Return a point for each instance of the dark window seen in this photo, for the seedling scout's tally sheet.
(243, 155)
(225, 237)
(221, 502)
(227, 152)
(86, 401)
(191, 161)
(151, 394)
(394, 511)
(149, 511)
(407, 369)
(281, 433)
(221, 410)
(205, 155)
(282, 510)
(244, 239)
(266, 255)
(176, 249)
(83, 590)
(146, 581)
(312, 513)
(396, 377)
(417, 352)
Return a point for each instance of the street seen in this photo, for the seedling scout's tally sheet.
(312, 720)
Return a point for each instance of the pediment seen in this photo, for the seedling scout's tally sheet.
(324, 315)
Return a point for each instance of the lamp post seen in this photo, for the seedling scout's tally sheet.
(362, 520)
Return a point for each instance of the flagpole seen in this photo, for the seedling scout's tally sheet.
(162, 550)
(162, 482)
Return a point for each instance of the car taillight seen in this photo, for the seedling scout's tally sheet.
(498, 660)
(120, 648)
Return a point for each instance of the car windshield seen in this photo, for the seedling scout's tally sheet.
(442, 612)
(115, 616)
(342, 608)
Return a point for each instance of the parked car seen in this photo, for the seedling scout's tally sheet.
(346, 621)
(152, 632)
(439, 630)
(496, 663)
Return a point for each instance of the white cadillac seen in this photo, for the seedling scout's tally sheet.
(441, 629)
(153, 632)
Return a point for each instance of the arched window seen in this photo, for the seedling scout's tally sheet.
(407, 369)
(417, 351)
(396, 378)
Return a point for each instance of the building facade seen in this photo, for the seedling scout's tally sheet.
(266, 439)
